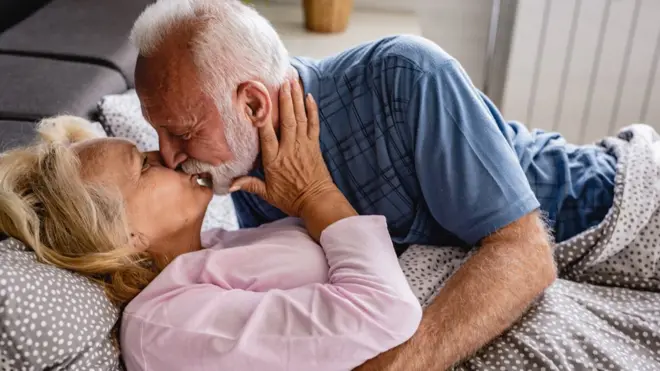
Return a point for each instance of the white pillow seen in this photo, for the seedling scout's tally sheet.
(121, 116)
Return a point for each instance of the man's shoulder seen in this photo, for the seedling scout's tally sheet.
(417, 51)
(393, 53)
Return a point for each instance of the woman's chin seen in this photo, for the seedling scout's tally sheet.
(206, 196)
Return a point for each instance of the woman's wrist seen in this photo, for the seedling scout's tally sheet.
(324, 209)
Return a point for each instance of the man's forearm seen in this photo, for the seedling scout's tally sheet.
(480, 301)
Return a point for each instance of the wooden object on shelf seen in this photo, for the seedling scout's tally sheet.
(327, 16)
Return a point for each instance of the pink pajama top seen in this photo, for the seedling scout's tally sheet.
(270, 298)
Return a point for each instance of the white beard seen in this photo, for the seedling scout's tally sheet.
(243, 141)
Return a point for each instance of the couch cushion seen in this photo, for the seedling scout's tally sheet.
(20, 133)
(95, 31)
(33, 88)
(13, 11)
(15, 133)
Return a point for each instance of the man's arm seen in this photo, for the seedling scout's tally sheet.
(480, 301)
(474, 186)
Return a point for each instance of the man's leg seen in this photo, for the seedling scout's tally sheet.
(623, 250)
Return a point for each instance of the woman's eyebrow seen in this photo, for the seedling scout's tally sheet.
(135, 167)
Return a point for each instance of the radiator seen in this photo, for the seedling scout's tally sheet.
(584, 68)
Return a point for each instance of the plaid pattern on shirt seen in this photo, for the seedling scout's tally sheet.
(366, 146)
(405, 134)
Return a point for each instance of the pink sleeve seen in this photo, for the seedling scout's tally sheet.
(366, 308)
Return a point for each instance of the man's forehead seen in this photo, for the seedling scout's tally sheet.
(171, 111)
(172, 93)
(168, 67)
(152, 77)
(163, 114)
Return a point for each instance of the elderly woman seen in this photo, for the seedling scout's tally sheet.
(322, 291)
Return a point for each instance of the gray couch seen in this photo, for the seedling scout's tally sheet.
(61, 56)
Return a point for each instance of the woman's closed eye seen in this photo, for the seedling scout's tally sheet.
(145, 162)
(151, 159)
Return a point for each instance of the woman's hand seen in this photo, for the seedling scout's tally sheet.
(295, 172)
(297, 179)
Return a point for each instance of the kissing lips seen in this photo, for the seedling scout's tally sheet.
(204, 180)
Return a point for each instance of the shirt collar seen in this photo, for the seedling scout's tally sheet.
(308, 75)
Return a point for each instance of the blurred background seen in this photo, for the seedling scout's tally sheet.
(581, 67)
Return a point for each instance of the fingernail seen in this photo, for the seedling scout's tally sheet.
(234, 189)
(287, 86)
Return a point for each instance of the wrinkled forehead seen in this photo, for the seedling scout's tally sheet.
(106, 159)
(168, 92)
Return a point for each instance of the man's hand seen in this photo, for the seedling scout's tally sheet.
(480, 301)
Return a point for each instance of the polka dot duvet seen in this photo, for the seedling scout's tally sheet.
(604, 311)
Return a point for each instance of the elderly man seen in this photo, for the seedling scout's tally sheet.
(404, 133)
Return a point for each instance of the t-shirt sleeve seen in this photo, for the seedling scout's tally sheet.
(469, 175)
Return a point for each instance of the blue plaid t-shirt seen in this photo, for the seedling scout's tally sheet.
(405, 134)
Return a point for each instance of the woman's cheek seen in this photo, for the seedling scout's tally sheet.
(162, 187)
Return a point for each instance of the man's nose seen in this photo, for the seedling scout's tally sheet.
(171, 149)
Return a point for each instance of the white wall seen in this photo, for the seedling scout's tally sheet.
(387, 5)
(364, 26)
(585, 70)
(550, 72)
(462, 28)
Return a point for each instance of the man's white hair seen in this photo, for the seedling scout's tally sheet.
(232, 43)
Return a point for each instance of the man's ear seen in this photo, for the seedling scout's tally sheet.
(254, 101)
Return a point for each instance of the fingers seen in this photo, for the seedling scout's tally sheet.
(313, 126)
(268, 141)
(250, 184)
(288, 123)
(299, 109)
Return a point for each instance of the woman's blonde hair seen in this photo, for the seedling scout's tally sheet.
(69, 223)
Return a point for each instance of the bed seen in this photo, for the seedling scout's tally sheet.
(582, 322)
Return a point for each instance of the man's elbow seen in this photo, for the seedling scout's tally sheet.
(544, 271)
(528, 243)
(535, 233)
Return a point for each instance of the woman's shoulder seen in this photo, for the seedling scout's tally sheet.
(219, 238)
(278, 255)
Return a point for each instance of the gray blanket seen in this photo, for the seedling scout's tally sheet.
(604, 311)
(575, 325)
